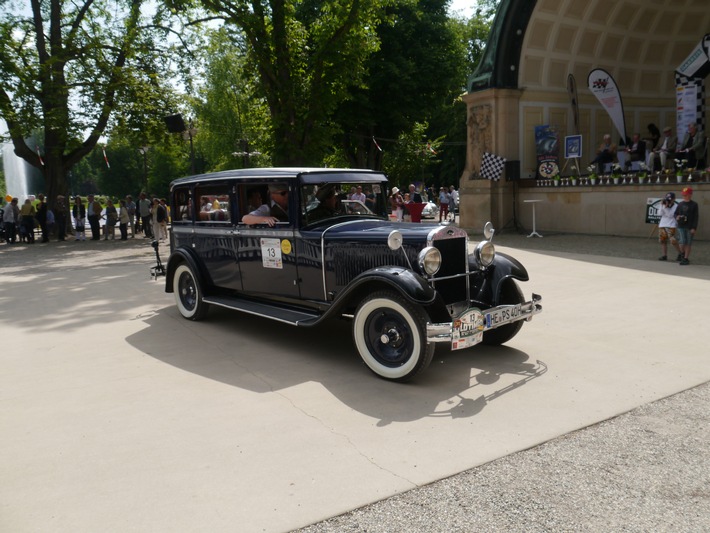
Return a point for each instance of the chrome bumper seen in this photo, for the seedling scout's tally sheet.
(489, 319)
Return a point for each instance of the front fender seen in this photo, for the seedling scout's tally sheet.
(410, 285)
(184, 255)
(502, 268)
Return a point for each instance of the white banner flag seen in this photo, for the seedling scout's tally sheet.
(604, 88)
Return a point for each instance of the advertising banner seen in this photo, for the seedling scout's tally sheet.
(686, 107)
(604, 88)
(547, 149)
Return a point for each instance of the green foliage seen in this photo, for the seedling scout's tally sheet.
(231, 118)
(306, 55)
(65, 69)
(412, 158)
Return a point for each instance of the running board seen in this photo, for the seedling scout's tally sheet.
(278, 313)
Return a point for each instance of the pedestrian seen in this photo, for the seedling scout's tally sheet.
(111, 220)
(41, 217)
(93, 214)
(686, 214)
(160, 220)
(124, 219)
(144, 213)
(27, 221)
(397, 203)
(60, 216)
(131, 208)
(78, 211)
(667, 226)
(11, 218)
(444, 199)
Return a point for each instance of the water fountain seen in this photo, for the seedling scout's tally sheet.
(15, 172)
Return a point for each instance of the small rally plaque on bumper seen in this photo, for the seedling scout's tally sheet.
(467, 330)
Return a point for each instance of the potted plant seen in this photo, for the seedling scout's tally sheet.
(642, 172)
(556, 180)
(679, 163)
(616, 173)
(592, 174)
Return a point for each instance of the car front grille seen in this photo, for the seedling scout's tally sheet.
(451, 280)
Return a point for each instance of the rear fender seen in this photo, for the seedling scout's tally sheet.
(185, 255)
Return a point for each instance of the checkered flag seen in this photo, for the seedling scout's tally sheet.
(492, 166)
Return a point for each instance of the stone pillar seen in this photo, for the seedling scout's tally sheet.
(493, 125)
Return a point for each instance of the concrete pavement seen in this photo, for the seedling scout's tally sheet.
(117, 414)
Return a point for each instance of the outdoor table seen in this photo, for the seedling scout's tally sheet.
(534, 231)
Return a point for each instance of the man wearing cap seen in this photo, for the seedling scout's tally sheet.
(667, 226)
(271, 214)
(686, 214)
(664, 150)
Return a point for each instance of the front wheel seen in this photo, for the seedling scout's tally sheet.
(390, 335)
(510, 295)
(188, 293)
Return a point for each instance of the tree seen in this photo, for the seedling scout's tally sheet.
(233, 120)
(418, 69)
(67, 66)
(306, 55)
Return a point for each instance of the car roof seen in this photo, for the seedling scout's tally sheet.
(312, 175)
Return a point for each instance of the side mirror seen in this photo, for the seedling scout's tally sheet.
(488, 231)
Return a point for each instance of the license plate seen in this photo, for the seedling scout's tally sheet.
(503, 315)
(467, 330)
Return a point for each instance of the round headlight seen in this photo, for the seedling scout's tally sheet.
(429, 260)
(394, 240)
(484, 253)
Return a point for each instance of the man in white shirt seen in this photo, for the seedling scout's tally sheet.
(359, 196)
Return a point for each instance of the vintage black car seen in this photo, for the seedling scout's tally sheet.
(315, 254)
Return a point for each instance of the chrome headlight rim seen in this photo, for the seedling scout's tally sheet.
(429, 260)
(484, 253)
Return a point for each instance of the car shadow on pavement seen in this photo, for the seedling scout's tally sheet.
(262, 356)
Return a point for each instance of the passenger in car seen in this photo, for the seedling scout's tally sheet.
(276, 211)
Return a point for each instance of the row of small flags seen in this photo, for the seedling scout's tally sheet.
(428, 146)
(41, 161)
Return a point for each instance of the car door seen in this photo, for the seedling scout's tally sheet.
(214, 234)
(267, 255)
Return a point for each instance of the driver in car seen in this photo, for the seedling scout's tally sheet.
(328, 206)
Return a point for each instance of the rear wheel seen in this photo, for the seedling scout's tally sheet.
(188, 293)
(390, 334)
(510, 295)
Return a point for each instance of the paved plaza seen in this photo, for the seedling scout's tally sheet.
(119, 415)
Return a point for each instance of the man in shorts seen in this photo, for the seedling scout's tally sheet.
(686, 215)
(667, 226)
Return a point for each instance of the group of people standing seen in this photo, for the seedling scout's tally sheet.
(448, 199)
(678, 224)
(147, 216)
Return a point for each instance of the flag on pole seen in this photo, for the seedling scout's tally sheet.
(376, 145)
(105, 158)
(39, 155)
(605, 89)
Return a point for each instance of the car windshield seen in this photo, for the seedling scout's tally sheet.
(330, 200)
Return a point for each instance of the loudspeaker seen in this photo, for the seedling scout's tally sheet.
(512, 170)
(175, 123)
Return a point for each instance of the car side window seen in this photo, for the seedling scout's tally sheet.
(213, 203)
(182, 200)
(264, 203)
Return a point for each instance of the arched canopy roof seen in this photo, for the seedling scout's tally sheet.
(640, 42)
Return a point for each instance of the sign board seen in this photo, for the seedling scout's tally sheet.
(573, 146)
